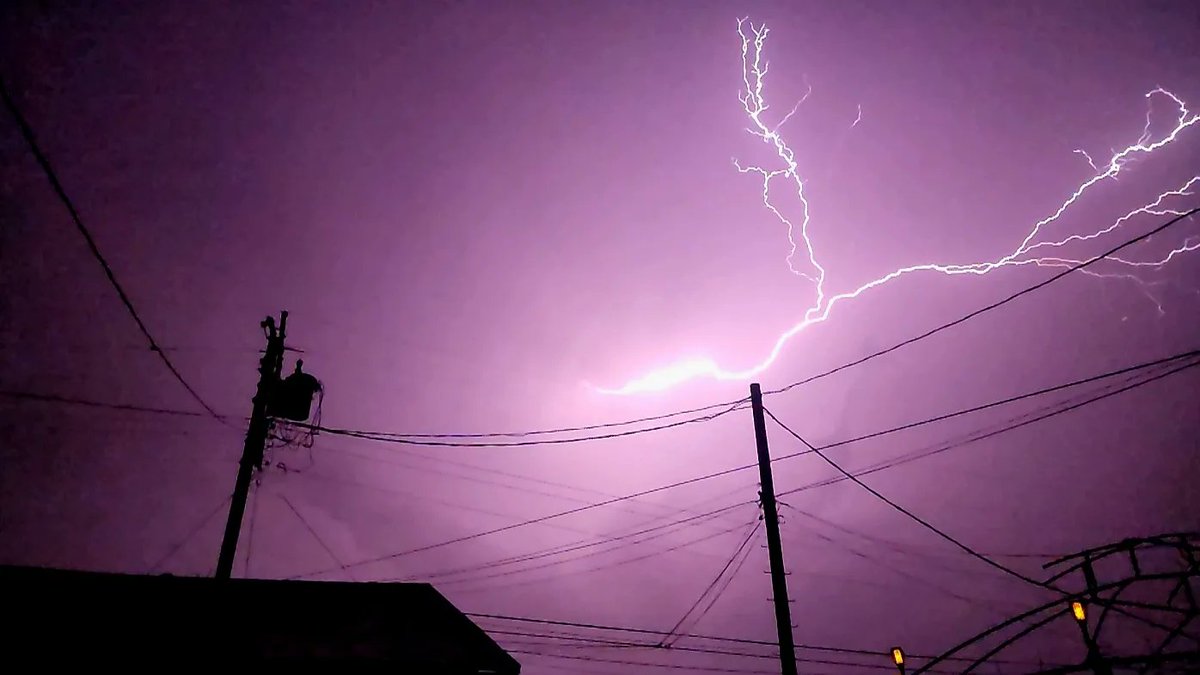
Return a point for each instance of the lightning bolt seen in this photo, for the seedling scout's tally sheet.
(788, 175)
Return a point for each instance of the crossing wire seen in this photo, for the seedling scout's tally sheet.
(44, 163)
(744, 467)
(921, 521)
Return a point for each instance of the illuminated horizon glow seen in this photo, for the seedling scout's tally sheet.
(754, 71)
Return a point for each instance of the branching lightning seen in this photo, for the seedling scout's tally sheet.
(788, 176)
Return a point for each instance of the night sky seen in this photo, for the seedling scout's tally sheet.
(480, 215)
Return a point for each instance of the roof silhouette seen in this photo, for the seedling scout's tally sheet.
(63, 615)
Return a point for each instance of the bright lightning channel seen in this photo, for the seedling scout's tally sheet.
(754, 72)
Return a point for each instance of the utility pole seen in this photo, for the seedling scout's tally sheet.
(783, 612)
(269, 368)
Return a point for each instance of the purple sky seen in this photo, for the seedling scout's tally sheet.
(471, 210)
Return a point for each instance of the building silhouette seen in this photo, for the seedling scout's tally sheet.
(60, 617)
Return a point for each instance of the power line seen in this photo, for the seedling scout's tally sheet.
(947, 537)
(307, 526)
(726, 471)
(391, 437)
(54, 398)
(972, 436)
(590, 554)
(735, 469)
(402, 439)
(732, 470)
(706, 517)
(696, 650)
(31, 141)
(560, 550)
(713, 638)
(1012, 399)
(190, 535)
(1023, 421)
(660, 633)
(573, 429)
(921, 521)
(591, 643)
(979, 602)
(1093, 399)
(491, 482)
(666, 641)
(906, 548)
(987, 308)
(416, 498)
(643, 664)
(724, 586)
(964, 547)
(616, 563)
(542, 519)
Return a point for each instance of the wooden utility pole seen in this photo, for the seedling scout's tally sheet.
(783, 612)
(269, 369)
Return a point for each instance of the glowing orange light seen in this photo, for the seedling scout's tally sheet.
(1077, 609)
(898, 656)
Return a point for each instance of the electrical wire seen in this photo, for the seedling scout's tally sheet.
(658, 633)
(560, 550)
(391, 437)
(968, 438)
(307, 526)
(1007, 570)
(44, 163)
(542, 519)
(612, 500)
(981, 603)
(484, 481)
(694, 650)
(420, 500)
(724, 586)
(744, 467)
(573, 429)
(671, 638)
(190, 535)
(747, 466)
(1017, 423)
(1012, 399)
(902, 547)
(609, 565)
(643, 664)
(54, 398)
(585, 643)
(921, 521)
(870, 653)
(703, 518)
